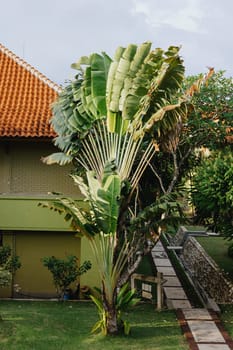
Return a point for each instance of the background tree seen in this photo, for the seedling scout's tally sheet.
(211, 123)
(209, 127)
(212, 193)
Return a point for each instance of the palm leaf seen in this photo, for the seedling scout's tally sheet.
(80, 219)
(57, 158)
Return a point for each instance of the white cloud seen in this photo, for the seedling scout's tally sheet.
(51, 34)
(185, 15)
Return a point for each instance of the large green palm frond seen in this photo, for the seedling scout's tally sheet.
(77, 214)
(144, 83)
(79, 105)
(93, 88)
(139, 84)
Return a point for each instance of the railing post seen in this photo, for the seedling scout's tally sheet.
(132, 282)
(159, 290)
(159, 280)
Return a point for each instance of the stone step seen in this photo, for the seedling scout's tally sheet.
(178, 304)
(166, 270)
(171, 281)
(162, 262)
(159, 254)
(205, 331)
(197, 314)
(175, 293)
(158, 247)
(213, 347)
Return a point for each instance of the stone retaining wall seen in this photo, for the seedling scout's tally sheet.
(206, 272)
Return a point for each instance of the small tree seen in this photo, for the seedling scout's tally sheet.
(65, 271)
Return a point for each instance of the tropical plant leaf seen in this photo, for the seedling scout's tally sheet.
(93, 87)
(57, 158)
(80, 219)
(105, 200)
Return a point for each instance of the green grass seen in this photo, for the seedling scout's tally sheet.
(66, 326)
(217, 247)
(227, 318)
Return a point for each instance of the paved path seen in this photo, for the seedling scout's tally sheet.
(202, 328)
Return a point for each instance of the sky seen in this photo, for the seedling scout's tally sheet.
(53, 34)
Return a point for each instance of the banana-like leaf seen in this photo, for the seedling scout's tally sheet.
(80, 219)
(82, 101)
(120, 81)
(105, 197)
(136, 85)
(93, 89)
(57, 158)
(140, 83)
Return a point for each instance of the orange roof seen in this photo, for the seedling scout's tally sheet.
(26, 96)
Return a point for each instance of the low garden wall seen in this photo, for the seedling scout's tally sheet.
(206, 272)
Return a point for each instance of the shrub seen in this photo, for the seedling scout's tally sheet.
(65, 271)
(126, 298)
(213, 193)
(8, 265)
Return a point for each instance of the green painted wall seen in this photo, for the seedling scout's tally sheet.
(32, 232)
(24, 214)
(24, 182)
(33, 278)
(92, 278)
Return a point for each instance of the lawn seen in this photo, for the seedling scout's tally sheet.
(66, 326)
(217, 247)
(227, 318)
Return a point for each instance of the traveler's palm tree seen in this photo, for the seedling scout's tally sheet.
(110, 120)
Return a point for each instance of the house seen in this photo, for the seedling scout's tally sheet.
(26, 135)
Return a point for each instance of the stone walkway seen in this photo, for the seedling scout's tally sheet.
(201, 327)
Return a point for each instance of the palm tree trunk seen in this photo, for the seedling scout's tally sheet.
(112, 326)
(111, 313)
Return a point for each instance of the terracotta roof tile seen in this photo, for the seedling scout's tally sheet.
(26, 96)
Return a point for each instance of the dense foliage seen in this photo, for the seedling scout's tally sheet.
(209, 127)
(211, 123)
(65, 271)
(213, 193)
(8, 265)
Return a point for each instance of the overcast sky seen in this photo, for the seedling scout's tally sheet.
(52, 34)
